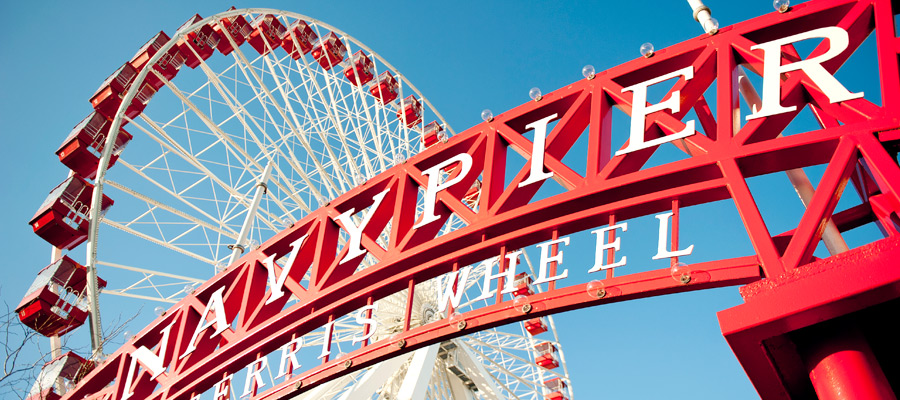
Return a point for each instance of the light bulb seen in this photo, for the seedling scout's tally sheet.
(220, 266)
(782, 6)
(399, 159)
(189, 288)
(456, 320)
(647, 50)
(681, 272)
(535, 94)
(711, 26)
(127, 335)
(159, 311)
(596, 289)
(521, 303)
(588, 71)
(442, 136)
(487, 115)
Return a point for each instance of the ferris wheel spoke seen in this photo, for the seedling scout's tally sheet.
(157, 204)
(244, 65)
(361, 102)
(342, 135)
(166, 141)
(293, 124)
(162, 243)
(340, 132)
(241, 113)
(221, 224)
(315, 92)
(238, 152)
(247, 67)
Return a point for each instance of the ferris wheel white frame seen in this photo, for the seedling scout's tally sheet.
(470, 351)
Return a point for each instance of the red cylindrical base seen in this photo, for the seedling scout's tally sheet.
(841, 364)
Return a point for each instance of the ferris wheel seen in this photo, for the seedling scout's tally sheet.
(238, 126)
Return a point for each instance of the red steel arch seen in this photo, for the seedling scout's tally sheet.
(857, 141)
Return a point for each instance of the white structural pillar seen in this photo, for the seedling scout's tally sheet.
(832, 238)
(261, 188)
(375, 378)
(482, 379)
(415, 384)
(55, 342)
(703, 15)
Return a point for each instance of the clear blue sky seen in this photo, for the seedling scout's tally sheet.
(464, 56)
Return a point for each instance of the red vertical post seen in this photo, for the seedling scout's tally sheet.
(841, 364)
(610, 253)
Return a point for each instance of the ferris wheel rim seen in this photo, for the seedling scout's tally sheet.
(132, 91)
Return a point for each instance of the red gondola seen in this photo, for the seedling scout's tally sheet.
(360, 67)
(385, 88)
(202, 41)
(546, 355)
(267, 33)
(82, 148)
(167, 65)
(67, 369)
(522, 283)
(535, 326)
(411, 112)
(303, 37)
(55, 302)
(63, 218)
(236, 27)
(108, 98)
(556, 387)
(330, 51)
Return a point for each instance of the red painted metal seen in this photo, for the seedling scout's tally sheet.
(841, 364)
(857, 141)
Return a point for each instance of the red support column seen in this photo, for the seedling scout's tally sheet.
(841, 364)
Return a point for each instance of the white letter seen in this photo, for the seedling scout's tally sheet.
(255, 372)
(223, 389)
(510, 275)
(602, 245)
(153, 363)
(362, 320)
(448, 295)
(275, 285)
(355, 244)
(537, 173)
(219, 320)
(289, 353)
(326, 342)
(435, 185)
(547, 259)
(664, 237)
(640, 110)
(772, 70)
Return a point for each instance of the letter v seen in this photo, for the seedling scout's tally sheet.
(276, 285)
